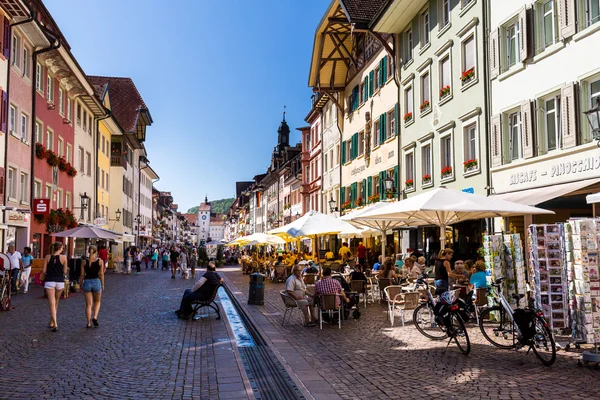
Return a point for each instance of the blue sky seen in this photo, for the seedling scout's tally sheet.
(215, 75)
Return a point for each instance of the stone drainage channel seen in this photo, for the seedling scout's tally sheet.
(268, 378)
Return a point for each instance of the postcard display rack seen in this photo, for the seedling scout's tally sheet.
(504, 258)
(548, 269)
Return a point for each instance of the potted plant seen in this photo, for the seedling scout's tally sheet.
(425, 106)
(470, 165)
(445, 91)
(40, 151)
(374, 198)
(408, 117)
(52, 159)
(467, 75)
(446, 172)
(426, 179)
(346, 206)
(409, 183)
(359, 202)
(63, 165)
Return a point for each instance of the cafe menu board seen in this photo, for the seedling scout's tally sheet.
(584, 280)
(548, 269)
(504, 258)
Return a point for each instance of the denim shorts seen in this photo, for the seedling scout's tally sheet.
(92, 285)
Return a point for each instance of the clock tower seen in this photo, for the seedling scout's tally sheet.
(204, 221)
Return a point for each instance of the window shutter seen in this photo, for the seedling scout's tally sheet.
(355, 98)
(566, 18)
(371, 79)
(354, 146)
(343, 153)
(396, 122)
(496, 141)
(4, 111)
(384, 69)
(526, 130)
(353, 193)
(342, 196)
(363, 194)
(524, 29)
(396, 181)
(6, 46)
(494, 54)
(568, 116)
(382, 128)
(381, 185)
(365, 89)
(369, 187)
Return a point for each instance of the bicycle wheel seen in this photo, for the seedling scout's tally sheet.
(497, 327)
(543, 343)
(4, 299)
(425, 323)
(460, 334)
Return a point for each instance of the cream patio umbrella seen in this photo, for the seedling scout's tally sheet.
(444, 207)
(257, 239)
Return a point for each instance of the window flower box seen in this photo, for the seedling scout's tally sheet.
(446, 172)
(72, 171)
(374, 198)
(467, 75)
(63, 165)
(425, 106)
(445, 91)
(40, 151)
(409, 183)
(347, 205)
(470, 165)
(359, 202)
(52, 159)
(426, 179)
(408, 117)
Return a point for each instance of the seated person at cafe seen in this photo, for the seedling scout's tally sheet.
(327, 285)
(470, 266)
(412, 268)
(345, 252)
(202, 290)
(377, 265)
(389, 271)
(358, 274)
(329, 256)
(421, 263)
(296, 288)
(310, 269)
(399, 263)
(459, 276)
(479, 278)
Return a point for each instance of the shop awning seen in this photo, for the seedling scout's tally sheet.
(531, 197)
(128, 238)
(593, 198)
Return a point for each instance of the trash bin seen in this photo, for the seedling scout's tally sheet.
(256, 294)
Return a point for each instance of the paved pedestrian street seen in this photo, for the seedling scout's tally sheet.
(141, 350)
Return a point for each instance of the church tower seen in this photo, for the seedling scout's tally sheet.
(283, 135)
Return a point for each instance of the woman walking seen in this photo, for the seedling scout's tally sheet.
(165, 260)
(154, 259)
(137, 254)
(92, 283)
(193, 262)
(54, 271)
(27, 258)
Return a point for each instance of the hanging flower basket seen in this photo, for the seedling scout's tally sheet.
(40, 151)
(409, 183)
(425, 106)
(408, 117)
(374, 198)
(426, 179)
(467, 75)
(63, 165)
(52, 159)
(445, 91)
(72, 171)
(470, 165)
(446, 172)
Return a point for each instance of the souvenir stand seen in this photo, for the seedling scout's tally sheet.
(547, 267)
(584, 283)
(503, 254)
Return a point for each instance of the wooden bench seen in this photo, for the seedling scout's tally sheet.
(198, 304)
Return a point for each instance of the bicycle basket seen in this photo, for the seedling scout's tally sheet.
(525, 320)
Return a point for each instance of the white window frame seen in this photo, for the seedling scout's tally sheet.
(60, 146)
(425, 95)
(444, 137)
(376, 78)
(361, 143)
(49, 192)
(445, 13)
(427, 147)
(446, 55)
(540, 27)
(24, 127)
(39, 132)
(514, 126)
(468, 127)
(59, 198)
(463, 55)
(409, 45)
(390, 129)
(409, 169)
(409, 103)
(39, 77)
(425, 24)
(50, 88)
(68, 201)
(69, 110)
(507, 36)
(15, 48)
(12, 119)
(49, 139)
(12, 185)
(37, 189)
(69, 153)
(26, 52)
(375, 188)
(585, 10)
(544, 115)
(61, 100)
(24, 188)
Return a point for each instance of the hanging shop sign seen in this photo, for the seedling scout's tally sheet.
(41, 206)
(100, 221)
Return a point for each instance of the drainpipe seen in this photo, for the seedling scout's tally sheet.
(96, 178)
(488, 102)
(55, 44)
(25, 21)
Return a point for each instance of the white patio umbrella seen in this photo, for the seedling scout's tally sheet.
(444, 207)
(257, 239)
(86, 232)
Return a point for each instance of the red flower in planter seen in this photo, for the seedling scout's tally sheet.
(446, 171)
(52, 159)
(468, 74)
(426, 104)
(408, 116)
(40, 151)
(63, 165)
(409, 183)
(444, 91)
(426, 178)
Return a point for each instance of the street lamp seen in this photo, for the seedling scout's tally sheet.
(389, 186)
(117, 216)
(332, 205)
(593, 115)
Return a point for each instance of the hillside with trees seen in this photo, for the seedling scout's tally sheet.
(218, 206)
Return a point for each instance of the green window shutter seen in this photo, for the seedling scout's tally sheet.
(381, 79)
(343, 152)
(342, 196)
(355, 98)
(353, 194)
(369, 187)
(384, 69)
(382, 128)
(371, 79)
(364, 191)
(355, 144)
(396, 123)
(366, 89)
(396, 181)
(382, 176)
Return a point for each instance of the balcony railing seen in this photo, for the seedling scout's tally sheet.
(118, 161)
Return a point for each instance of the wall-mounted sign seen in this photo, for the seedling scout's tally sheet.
(16, 218)
(41, 206)
(100, 221)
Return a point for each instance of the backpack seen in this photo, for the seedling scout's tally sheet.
(525, 320)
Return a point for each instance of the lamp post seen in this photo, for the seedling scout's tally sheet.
(593, 115)
(85, 203)
(117, 216)
(332, 205)
(138, 220)
(389, 186)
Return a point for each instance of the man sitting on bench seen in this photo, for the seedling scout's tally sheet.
(202, 290)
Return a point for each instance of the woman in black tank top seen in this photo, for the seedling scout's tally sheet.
(54, 269)
(443, 269)
(92, 284)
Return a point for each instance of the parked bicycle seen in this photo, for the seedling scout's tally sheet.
(441, 319)
(523, 327)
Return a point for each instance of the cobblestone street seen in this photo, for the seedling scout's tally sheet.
(139, 351)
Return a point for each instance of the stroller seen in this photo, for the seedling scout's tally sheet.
(353, 305)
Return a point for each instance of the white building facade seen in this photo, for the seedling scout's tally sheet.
(331, 156)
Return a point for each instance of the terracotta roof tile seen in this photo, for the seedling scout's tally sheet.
(362, 10)
(125, 100)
